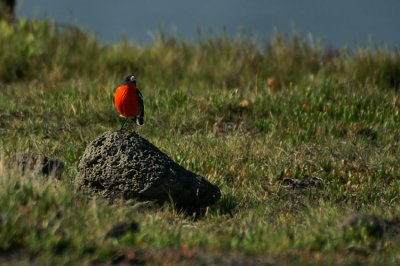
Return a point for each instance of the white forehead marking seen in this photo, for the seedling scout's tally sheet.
(132, 78)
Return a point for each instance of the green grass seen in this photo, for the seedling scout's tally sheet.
(328, 113)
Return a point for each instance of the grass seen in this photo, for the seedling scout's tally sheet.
(243, 116)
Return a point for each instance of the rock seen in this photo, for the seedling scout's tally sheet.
(123, 165)
(306, 182)
(37, 164)
(121, 229)
(374, 226)
(143, 206)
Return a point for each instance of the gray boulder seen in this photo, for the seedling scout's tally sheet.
(123, 165)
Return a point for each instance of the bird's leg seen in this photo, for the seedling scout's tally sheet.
(123, 124)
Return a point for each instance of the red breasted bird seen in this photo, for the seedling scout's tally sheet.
(129, 101)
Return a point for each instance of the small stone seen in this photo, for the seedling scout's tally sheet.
(37, 164)
(121, 229)
(375, 226)
(306, 182)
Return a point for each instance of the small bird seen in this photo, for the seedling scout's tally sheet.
(129, 101)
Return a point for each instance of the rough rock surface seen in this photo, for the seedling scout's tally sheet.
(124, 165)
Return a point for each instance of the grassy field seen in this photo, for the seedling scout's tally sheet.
(244, 115)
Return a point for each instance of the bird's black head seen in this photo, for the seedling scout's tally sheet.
(129, 79)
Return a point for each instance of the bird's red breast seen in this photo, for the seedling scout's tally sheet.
(126, 100)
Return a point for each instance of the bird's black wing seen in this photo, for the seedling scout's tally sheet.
(140, 118)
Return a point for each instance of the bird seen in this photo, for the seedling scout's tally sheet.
(128, 101)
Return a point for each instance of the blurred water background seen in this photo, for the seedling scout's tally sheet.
(338, 23)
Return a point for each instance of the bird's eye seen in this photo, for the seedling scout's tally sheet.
(132, 78)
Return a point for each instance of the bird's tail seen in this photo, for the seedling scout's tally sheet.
(139, 120)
